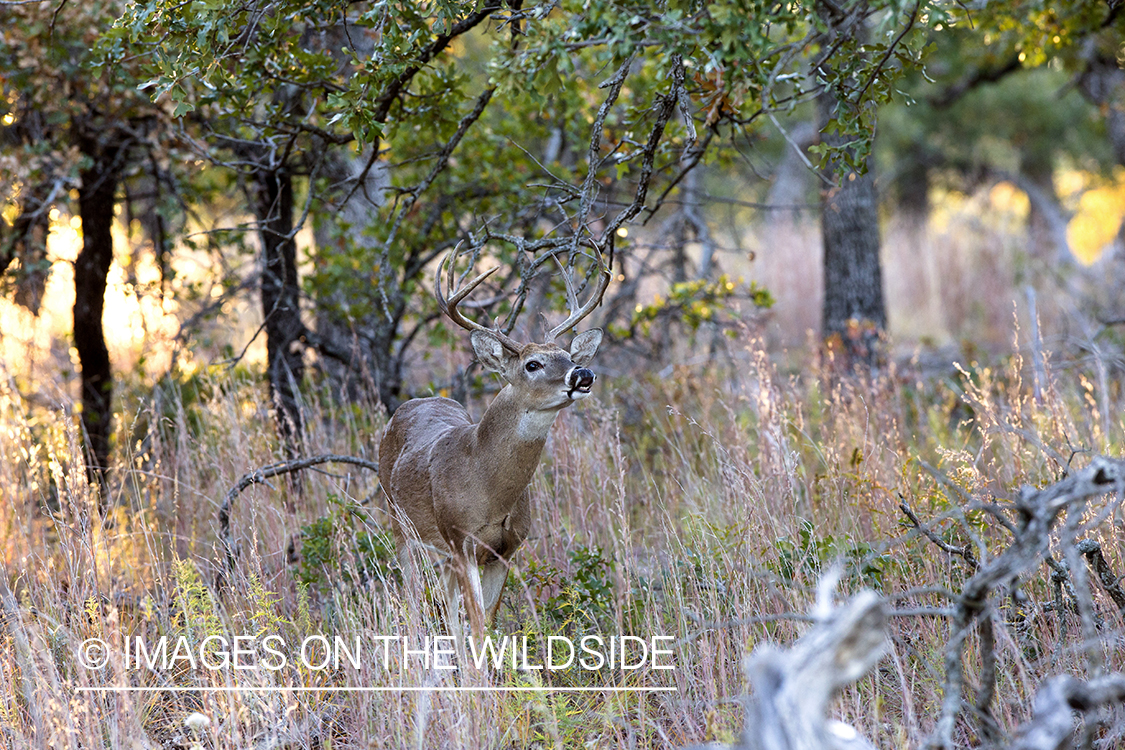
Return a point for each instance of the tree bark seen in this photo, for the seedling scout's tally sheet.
(855, 313)
(96, 203)
(386, 360)
(281, 300)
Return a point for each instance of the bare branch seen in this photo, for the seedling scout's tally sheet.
(1038, 511)
(965, 553)
(593, 158)
(1052, 726)
(990, 75)
(1110, 581)
(394, 88)
(385, 265)
(261, 475)
(665, 107)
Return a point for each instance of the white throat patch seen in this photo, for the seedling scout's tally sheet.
(535, 425)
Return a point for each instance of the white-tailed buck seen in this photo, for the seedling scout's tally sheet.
(462, 488)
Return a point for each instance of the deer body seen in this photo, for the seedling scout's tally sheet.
(473, 485)
(462, 488)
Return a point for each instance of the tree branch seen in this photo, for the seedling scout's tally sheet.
(261, 475)
(1039, 511)
(978, 77)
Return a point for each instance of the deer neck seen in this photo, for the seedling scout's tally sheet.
(510, 439)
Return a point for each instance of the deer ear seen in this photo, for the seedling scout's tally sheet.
(585, 346)
(490, 351)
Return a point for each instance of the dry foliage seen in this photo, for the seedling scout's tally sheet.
(702, 506)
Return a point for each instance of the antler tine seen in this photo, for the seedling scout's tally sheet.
(595, 299)
(449, 307)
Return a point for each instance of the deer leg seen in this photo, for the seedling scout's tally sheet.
(493, 577)
(406, 565)
(474, 596)
(451, 587)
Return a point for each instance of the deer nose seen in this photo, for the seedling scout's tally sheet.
(581, 378)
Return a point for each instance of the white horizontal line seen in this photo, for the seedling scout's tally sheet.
(380, 689)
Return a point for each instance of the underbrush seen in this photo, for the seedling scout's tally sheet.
(704, 507)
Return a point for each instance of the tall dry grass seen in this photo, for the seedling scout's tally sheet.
(703, 506)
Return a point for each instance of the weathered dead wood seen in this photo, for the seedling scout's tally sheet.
(1052, 726)
(1038, 512)
(792, 689)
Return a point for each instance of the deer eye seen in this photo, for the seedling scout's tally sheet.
(532, 366)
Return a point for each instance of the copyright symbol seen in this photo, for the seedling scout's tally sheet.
(93, 653)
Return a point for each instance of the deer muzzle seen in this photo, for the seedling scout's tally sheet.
(579, 380)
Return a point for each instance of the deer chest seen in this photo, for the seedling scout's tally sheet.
(502, 539)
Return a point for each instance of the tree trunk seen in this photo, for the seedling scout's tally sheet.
(386, 361)
(340, 234)
(855, 312)
(96, 202)
(281, 300)
(913, 187)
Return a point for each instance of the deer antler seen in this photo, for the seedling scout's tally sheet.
(449, 307)
(595, 299)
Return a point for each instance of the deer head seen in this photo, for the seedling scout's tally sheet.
(544, 373)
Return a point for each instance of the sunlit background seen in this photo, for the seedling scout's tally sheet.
(141, 324)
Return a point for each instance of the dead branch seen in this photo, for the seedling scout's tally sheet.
(1110, 581)
(793, 688)
(1052, 726)
(1038, 511)
(266, 472)
(966, 552)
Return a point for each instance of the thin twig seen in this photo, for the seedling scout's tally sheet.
(965, 553)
